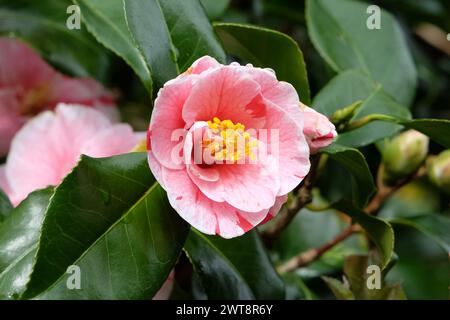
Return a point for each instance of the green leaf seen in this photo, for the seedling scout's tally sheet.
(215, 8)
(423, 267)
(379, 230)
(268, 49)
(435, 226)
(351, 86)
(43, 25)
(437, 129)
(340, 290)
(171, 35)
(354, 161)
(106, 21)
(355, 270)
(19, 234)
(132, 258)
(108, 218)
(237, 268)
(5, 206)
(339, 32)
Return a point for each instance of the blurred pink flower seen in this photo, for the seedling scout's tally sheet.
(211, 107)
(166, 289)
(48, 146)
(319, 131)
(28, 85)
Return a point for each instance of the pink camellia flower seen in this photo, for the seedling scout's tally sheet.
(207, 111)
(28, 85)
(319, 131)
(45, 150)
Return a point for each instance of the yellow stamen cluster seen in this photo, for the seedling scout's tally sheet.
(231, 141)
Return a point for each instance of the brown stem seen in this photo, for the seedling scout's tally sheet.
(287, 214)
(374, 205)
(315, 253)
(385, 191)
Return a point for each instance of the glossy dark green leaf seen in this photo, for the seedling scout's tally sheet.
(106, 21)
(379, 230)
(351, 86)
(339, 32)
(237, 268)
(132, 258)
(191, 32)
(354, 161)
(149, 29)
(436, 226)
(19, 234)
(436, 129)
(269, 49)
(109, 218)
(43, 25)
(5, 206)
(171, 35)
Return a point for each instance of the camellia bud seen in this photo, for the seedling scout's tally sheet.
(342, 116)
(439, 171)
(403, 155)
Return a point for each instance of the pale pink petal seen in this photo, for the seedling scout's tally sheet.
(155, 168)
(83, 91)
(48, 147)
(204, 63)
(166, 289)
(288, 145)
(204, 214)
(39, 86)
(281, 93)
(167, 123)
(110, 111)
(74, 125)
(32, 163)
(247, 187)
(226, 93)
(22, 66)
(275, 209)
(285, 96)
(117, 139)
(10, 120)
(140, 136)
(36, 87)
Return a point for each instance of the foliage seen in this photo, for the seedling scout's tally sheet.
(110, 218)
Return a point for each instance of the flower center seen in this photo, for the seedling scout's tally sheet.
(229, 141)
(34, 101)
